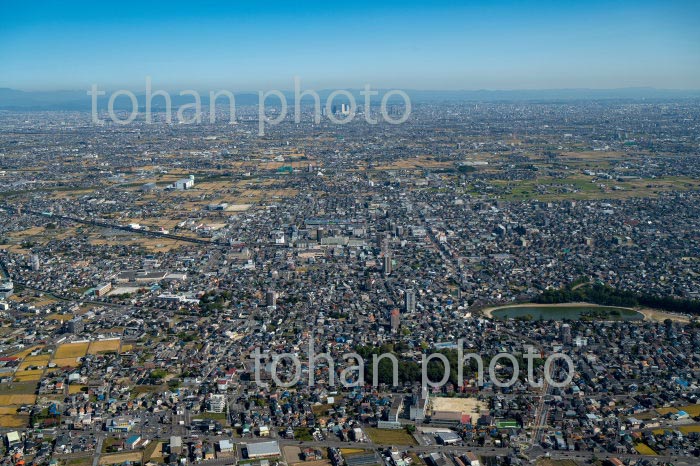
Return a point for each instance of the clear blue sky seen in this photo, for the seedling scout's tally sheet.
(257, 45)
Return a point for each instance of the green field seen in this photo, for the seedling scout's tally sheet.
(390, 436)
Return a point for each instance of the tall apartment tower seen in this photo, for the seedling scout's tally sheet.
(395, 320)
(565, 334)
(387, 266)
(271, 298)
(410, 301)
(35, 264)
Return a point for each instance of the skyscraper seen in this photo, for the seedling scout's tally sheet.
(271, 298)
(410, 301)
(387, 264)
(35, 264)
(395, 320)
(565, 334)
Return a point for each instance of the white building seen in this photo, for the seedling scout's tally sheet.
(185, 183)
(262, 449)
(217, 403)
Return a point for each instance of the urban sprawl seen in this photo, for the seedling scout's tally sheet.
(153, 273)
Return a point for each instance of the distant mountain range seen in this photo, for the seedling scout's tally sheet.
(12, 99)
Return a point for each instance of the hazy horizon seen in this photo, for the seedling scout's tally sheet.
(442, 46)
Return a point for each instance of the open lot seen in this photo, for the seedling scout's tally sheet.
(71, 350)
(17, 399)
(66, 362)
(390, 436)
(119, 458)
(692, 410)
(39, 361)
(14, 420)
(28, 375)
(644, 449)
(103, 346)
(470, 406)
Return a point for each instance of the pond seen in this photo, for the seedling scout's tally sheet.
(570, 312)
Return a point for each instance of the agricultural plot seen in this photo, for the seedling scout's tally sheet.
(41, 360)
(66, 362)
(103, 346)
(14, 421)
(28, 375)
(71, 350)
(390, 436)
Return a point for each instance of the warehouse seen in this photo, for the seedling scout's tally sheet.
(262, 450)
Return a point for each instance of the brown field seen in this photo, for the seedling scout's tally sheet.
(551, 462)
(75, 388)
(585, 189)
(18, 388)
(14, 420)
(66, 362)
(28, 376)
(351, 451)
(689, 429)
(595, 155)
(61, 317)
(8, 410)
(692, 410)
(71, 350)
(470, 406)
(148, 243)
(17, 399)
(420, 162)
(154, 450)
(390, 436)
(103, 345)
(39, 360)
(25, 352)
(120, 457)
(84, 461)
(291, 454)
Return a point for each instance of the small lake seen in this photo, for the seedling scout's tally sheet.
(573, 312)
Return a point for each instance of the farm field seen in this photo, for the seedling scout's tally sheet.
(14, 420)
(101, 346)
(40, 360)
(119, 458)
(66, 362)
(390, 436)
(644, 449)
(71, 350)
(28, 375)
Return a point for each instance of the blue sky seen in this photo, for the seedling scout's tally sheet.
(261, 45)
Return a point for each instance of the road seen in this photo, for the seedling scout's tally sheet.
(542, 411)
(98, 450)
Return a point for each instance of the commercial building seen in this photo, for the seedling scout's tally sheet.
(175, 444)
(185, 183)
(225, 446)
(119, 424)
(262, 450)
(448, 438)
